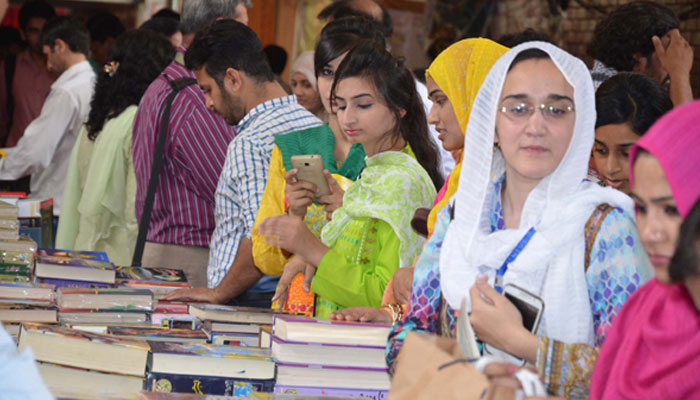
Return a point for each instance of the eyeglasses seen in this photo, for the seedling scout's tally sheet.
(519, 111)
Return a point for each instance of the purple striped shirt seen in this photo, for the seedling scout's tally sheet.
(183, 211)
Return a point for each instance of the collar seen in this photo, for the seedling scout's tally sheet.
(180, 55)
(262, 107)
(73, 72)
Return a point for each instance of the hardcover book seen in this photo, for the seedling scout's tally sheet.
(79, 269)
(215, 312)
(315, 330)
(211, 360)
(159, 382)
(70, 347)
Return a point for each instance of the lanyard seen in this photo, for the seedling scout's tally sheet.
(498, 284)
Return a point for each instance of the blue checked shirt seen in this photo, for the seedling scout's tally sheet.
(243, 179)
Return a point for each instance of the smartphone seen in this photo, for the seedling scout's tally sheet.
(310, 169)
(531, 308)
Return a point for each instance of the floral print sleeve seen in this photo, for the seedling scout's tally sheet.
(423, 311)
(617, 267)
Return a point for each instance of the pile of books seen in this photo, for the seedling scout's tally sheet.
(316, 357)
(74, 269)
(237, 326)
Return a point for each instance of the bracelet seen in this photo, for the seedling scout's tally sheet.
(396, 311)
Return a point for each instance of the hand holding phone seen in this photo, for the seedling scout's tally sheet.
(310, 169)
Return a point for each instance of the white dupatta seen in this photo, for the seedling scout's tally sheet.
(552, 263)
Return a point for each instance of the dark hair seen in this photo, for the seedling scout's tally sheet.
(35, 8)
(348, 8)
(631, 98)
(529, 54)
(528, 35)
(166, 13)
(277, 57)
(684, 263)
(341, 35)
(68, 29)
(395, 84)
(103, 26)
(228, 44)
(141, 55)
(628, 31)
(163, 25)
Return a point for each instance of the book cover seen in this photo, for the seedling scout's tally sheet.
(158, 333)
(134, 276)
(54, 330)
(239, 387)
(373, 394)
(15, 269)
(209, 350)
(75, 262)
(86, 255)
(70, 283)
(315, 330)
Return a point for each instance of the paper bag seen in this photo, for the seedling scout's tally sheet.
(425, 370)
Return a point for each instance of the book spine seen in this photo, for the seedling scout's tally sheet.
(159, 382)
(67, 283)
(321, 391)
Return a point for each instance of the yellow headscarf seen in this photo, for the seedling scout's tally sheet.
(459, 71)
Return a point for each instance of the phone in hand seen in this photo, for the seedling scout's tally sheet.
(531, 308)
(310, 169)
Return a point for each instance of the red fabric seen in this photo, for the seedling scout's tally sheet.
(653, 350)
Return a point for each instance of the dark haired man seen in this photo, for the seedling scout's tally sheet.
(25, 80)
(44, 150)
(104, 29)
(182, 220)
(232, 70)
(643, 37)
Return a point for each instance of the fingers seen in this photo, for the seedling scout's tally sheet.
(658, 46)
(309, 273)
(496, 369)
(174, 295)
(482, 291)
(290, 176)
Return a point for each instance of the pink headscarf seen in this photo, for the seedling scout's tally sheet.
(675, 141)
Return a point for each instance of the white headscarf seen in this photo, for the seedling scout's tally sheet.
(552, 263)
(304, 64)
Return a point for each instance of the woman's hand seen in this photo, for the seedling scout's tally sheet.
(299, 194)
(362, 314)
(291, 234)
(402, 282)
(334, 200)
(295, 266)
(497, 322)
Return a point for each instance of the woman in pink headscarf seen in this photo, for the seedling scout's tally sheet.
(653, 350)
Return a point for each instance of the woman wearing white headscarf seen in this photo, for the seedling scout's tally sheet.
(304, 86)
(579, 252)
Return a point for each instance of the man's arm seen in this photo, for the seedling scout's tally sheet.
(36, 148)
(677, 60)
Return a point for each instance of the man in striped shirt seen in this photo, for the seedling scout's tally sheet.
(231, 68)
(182, 220)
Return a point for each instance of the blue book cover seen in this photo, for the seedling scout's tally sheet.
(238, 387)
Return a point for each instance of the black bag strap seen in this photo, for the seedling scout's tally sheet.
(158, 158)
(10, 66)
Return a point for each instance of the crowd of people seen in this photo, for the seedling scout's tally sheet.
(514, 166)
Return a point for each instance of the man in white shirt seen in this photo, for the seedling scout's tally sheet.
(45, 148)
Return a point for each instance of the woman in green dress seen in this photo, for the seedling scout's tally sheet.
(369, 236)
(98, 203)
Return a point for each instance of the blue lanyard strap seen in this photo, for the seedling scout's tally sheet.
(498, 284)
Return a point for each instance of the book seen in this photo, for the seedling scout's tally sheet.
(60, 379)
(175, 320)
(20, 251)
(30, 292)
(8, 211)
(225, 327)
(266, 336)
(12, 329)
(15, 279)
(158, 334)
(68, 283)
(315, 330)
(159, 382)
(211, 360)
(6, 234)
(291, 352)
(104, 299)
(332, 377)
(234, 339)
(215, 312)
(27, 312)
(102, 317)
(321, 391)
(86, 350)
(15, 269)
(79, 269)
(151, 277)
(81, 254)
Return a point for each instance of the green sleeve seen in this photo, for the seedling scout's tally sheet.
(351, 284)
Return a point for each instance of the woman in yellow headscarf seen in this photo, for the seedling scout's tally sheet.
(453, 79)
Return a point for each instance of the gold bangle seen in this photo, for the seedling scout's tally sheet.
(396, 311)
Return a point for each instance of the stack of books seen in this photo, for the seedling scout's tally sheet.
(35, 216)
(238, 326)
(320, 357)
(74, 269)
(104, 306)
(9, 224)
(72, 359)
